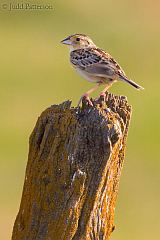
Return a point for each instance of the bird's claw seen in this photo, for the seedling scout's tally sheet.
(86, 98)
(103, 96)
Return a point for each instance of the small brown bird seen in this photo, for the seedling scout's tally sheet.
(94, 64)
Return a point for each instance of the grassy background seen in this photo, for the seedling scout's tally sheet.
(31, 75)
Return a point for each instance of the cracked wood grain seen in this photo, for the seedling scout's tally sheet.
(73, 171)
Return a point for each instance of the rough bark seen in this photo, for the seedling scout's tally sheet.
(73, 171)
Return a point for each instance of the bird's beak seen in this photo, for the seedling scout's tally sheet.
(66, 41)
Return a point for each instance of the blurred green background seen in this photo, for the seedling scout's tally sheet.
(35, 73)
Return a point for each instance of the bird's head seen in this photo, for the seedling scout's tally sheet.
(78, 41)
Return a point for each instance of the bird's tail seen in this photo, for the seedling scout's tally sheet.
(125, 79)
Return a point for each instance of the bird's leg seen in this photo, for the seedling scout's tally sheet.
(86, 95)
(103, 93)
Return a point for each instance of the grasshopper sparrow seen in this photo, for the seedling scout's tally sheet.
(94, 64)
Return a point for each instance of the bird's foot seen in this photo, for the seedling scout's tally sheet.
(88, 100)
(103, 96)
(86, 97)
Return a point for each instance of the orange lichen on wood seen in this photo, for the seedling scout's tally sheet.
(73, 171)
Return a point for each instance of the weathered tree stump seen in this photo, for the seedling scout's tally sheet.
(73, 171)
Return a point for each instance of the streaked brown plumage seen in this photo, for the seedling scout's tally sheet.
(95, 64)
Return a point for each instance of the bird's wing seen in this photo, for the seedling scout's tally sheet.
(100, 69)
(96, 62)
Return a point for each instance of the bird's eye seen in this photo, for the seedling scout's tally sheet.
(77, 39)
